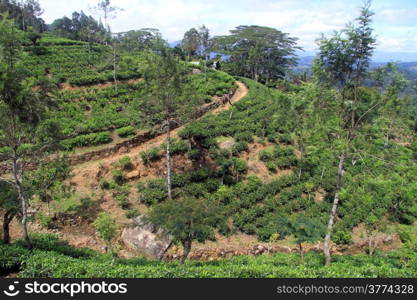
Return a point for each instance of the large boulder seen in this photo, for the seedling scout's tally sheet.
(144, 238)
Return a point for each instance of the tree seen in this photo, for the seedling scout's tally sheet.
(187, 220)
(24, 101)
(257, 52)
(9, 203)
(140, 40)
(108, 12)
(304, 229)
(47, 176)
(26, 14)
(343, 61)
(169, 94)
(79, 27)
(107, 228)
(191, 42)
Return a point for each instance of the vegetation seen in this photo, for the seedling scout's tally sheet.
(334, 147)
(54, 258)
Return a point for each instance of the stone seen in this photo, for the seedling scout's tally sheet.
(227, 144)
(143, 238)
(123, 150)
(133, 175)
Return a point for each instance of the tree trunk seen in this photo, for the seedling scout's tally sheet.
(187, 249)
(8, 217)
(168, 158)
(23, 203)
(300, 246)
(330, 225)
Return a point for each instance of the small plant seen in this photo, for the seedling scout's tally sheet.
(125, 163)
(118, 177)
(266, 155)
(239, 147)
(194, 154)
(126, 131)
(132, 213)
(45, 220)
(151, 155)
(342, 237)
(104, 184)
(107, 228)
(272, 167)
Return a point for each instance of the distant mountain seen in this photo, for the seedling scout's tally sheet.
(409, 69)
(174, 44)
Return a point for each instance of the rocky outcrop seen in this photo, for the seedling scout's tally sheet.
(145, 239)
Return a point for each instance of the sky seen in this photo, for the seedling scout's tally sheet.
(395, 21)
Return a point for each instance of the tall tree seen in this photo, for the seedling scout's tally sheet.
(24, 101)
(261, 53)
(140, 40)
(343, 61)
(170, 93)
(191, 42)
(188, 220)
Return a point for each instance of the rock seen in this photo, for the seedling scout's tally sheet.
(143, 238)
(227, 144)
(133, 175)
(123, 150)
(279, 248)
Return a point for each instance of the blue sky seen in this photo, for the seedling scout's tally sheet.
(395, 21)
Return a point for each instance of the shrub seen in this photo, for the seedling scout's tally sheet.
(125, 163)
(194, 154)
(118, 177)
(87, 140)
(126, 131)
(104, 184)
(271, 166)
(132, 213)
(239, 147)
(342, 237)
(244, 137)
(266, 155)
(121, 195)
(179, 147)
(45, 220)
(151, 155)
(106, 227)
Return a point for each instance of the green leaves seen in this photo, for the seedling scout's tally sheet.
(257, 52)
(106, 227)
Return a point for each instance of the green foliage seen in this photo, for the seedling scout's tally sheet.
(106, 227)
(52, 258)
(342, 237)
(45, 220)
(118, 177)
(125, 163)
(132, 213)
(121, 195)
(187, 219)
(240, 147)
(257, 52)
(87, 140)
(151, 155)
(104, 184)
(126, 131)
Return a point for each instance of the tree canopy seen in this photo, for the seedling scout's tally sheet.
(260, 53)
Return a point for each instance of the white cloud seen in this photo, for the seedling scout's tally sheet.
(394, 23)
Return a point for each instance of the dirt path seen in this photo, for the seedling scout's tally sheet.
(86, 174)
